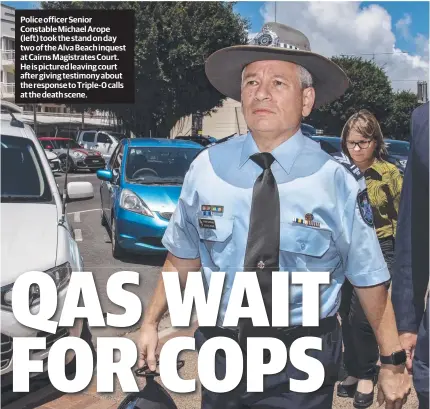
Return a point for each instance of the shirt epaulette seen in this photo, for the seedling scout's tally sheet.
(222, 140)
(345, 161)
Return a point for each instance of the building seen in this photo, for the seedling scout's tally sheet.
(225, 121)
(7, 53)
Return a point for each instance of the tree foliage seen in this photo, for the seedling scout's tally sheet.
(172, 42)
(397, 125)
(369, 89)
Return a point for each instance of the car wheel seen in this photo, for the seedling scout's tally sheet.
(117, 251)
(103, 219)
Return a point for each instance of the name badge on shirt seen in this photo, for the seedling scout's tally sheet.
(207, 223)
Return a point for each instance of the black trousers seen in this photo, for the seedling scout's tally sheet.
(361, 351)
(277, 394)
(420, 365)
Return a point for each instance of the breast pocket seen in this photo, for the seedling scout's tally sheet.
(218, 241)
(306, 248)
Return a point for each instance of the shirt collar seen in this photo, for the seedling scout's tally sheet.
(376, 166)
(285, 154)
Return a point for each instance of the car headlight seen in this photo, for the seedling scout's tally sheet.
(78, 155)
(130, 201)
(60, 274)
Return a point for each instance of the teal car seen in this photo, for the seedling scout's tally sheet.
(140, 189)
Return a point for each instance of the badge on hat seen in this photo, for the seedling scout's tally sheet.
(365, 208)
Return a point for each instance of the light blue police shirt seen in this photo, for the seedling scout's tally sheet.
(309, 181)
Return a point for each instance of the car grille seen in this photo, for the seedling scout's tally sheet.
(6, 351)
(92, 160)
(51, 338)
(166, 215)
(152, 241)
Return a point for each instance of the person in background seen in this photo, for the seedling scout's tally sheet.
(411, 269)
(362, 141)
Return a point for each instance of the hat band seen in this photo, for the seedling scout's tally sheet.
(268, 38)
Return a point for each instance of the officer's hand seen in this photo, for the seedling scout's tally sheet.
(394, 386)
(408, 340)
(147, 344)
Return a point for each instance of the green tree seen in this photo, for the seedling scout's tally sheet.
(397, 125)
(172, 42)
(370, 89)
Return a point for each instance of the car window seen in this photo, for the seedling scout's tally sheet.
(103, 138)
(62, 144)
(118, 158)
(46, 144)
(88, 136)
(113, 156)
(159, 165)
(398, 148)
(23, 178)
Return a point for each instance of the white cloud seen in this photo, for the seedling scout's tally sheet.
(403, 26)
(336, 28)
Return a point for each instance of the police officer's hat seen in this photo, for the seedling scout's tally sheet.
(276, 42)
(152, 396)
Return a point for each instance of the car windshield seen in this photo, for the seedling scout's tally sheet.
(398, 148)
(23, 178)
(117, 136)
(157, 165)
(62, 143)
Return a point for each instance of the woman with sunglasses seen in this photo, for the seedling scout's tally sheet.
(362, 141)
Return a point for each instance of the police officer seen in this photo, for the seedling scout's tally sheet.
(411, 268)
(272, 200)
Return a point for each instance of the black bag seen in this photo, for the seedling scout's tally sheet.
(152, 396)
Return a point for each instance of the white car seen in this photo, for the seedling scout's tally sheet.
(54, 161)
(35, 237)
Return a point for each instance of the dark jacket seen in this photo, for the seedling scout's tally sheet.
(411, 270)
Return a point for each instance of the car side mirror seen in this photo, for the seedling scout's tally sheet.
(106, 175)
(79, 191)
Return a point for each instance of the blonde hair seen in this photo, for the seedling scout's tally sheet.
(366, 124)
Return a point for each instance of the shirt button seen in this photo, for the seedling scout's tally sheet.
(303, 246)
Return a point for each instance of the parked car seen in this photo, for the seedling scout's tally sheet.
(79, 158)
(140, 189)
(102, 141)
(53, 160)
(36, 236)
(308, 130)
(203, 140)
(396, 150)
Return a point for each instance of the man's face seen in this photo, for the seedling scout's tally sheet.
(272, 97)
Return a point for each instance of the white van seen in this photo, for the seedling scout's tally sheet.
(101, 141)
(35, 237)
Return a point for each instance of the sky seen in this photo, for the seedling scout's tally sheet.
(395, 34)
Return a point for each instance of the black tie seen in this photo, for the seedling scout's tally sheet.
(262, 249)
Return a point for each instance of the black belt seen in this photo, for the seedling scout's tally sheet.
(286, 334)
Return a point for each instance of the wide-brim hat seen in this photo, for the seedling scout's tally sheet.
(276, 42)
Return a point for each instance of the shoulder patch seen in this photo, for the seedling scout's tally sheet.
(365, 207)
(345, 161)
(222, 140)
